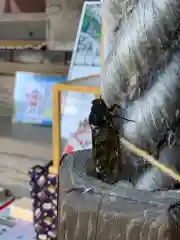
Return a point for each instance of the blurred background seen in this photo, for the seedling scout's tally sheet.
(26, 6)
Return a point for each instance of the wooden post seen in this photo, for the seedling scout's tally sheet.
(63, 19)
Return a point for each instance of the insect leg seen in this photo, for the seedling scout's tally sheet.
(117, 116)
(111, 109)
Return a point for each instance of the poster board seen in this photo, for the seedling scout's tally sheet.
(59, 115)
(33, 98)
(85, 62)
(76, 110)
(86, 54)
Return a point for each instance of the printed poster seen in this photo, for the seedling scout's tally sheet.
(33, 98)
(74, 120)
(86, 53)
(85, 61)
(81, 139)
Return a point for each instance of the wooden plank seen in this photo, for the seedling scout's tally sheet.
(6, 96)
(25, 6)
(58, 26)
(23, 17)
(63, 20)
(10, 68)
(30, 27)
(21, 44)
(25, 30)
(33, 56)
(39, 56)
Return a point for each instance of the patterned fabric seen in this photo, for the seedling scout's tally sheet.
(43, 188)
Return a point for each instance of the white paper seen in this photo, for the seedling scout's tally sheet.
(75, 110)
(86, 53)
(81, 139)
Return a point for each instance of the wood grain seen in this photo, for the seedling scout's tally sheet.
(63, 20)
(22, 17)
(23, 30)
(57, 27)
(123, 212)
(17, 6)
(11, 68)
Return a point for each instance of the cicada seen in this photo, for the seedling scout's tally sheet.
(106, 151)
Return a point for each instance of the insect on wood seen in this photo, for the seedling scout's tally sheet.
(106, 150)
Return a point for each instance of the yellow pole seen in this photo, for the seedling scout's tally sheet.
(56, 128)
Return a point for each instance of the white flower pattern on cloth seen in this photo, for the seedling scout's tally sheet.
(44, 194)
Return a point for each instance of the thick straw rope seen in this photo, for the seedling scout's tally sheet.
(132, 148)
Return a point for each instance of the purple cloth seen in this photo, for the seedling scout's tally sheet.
(43, 188)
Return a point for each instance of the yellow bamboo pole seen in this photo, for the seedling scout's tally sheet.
(141, 153)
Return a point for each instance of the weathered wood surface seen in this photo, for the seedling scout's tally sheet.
(11, 68)
(6, 95)
(22, 44)
(63, 19)
(41, 56)
(83, 226)
(34, 56)
(17, 6)
(119, 211)
(58, 26)
(40, 61)
(22, 17)
(20, 27)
